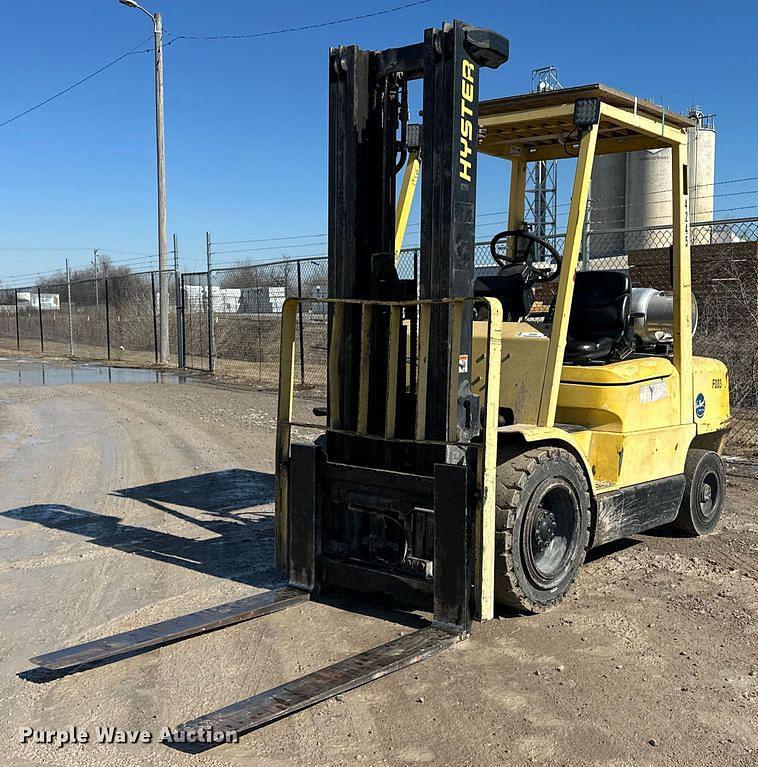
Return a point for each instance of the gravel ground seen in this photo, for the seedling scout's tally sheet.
(652, 660)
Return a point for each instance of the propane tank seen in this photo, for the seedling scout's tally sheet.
(656, 325)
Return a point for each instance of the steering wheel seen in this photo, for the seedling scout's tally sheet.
(523, 252)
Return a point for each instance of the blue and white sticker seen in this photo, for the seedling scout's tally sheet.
(700, 405)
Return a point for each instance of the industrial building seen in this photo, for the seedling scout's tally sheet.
(50, 302)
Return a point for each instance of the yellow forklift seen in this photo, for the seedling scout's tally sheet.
(474, 448)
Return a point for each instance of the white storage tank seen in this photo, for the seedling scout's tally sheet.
(701, 165)
(609, 214)
(648, 198)
(643, 182)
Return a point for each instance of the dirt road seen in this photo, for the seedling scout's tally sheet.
(653, 660)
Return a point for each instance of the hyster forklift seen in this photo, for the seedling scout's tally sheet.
(474, 448)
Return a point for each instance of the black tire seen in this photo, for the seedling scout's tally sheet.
(704, 493)
(542, 528)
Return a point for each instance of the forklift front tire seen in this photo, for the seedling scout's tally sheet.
(542, 528)
(703, 494)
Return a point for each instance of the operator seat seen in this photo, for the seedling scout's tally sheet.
(599, 323)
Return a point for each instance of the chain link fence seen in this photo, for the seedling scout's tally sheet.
(7, 318)
(245, 304)
(724, 258)
(109, 318)
(196, 314)
(229, 318)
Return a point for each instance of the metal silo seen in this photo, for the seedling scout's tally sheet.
(608, 205)
(701, 164)
(648, 198)
(633, 191)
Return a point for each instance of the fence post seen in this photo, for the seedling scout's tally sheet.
(179, 308)
(155, 317)
(39, 312)
(211, 342)
(97, 291)
(184, 318)
(300, 319)
(107, 317)
(70, 315)
(258, 297)
(18, 331)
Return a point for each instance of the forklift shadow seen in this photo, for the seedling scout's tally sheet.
(221, 494)
(241, 548)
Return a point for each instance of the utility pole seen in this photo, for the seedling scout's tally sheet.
(163, 353)
(163, 286)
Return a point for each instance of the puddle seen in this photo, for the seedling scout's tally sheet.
(31, 373)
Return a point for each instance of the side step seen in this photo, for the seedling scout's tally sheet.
(176, 628)
(266, 707)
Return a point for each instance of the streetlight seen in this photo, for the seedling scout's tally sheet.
(163, 341)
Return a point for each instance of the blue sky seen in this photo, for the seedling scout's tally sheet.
(246, 120)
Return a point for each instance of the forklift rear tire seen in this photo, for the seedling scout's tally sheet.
(542, 528)
(703, 494)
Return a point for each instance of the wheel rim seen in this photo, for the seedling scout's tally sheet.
(708, 495)
(550, 532)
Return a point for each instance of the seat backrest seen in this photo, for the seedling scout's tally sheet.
(600, 308)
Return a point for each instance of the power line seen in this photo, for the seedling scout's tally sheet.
(89, 249)
(696, 223)
(133, 51)
(146, 257)
(42, 250)
(728, 181)
(305, 27)
(106, 251)
(106, 254)
(102, 252)
(281, 261)
(606, 208)
(271, 247)
(130, 52)
(282, 238)
(272, 239)
(416, 224)
(144, 261)
(666, 191)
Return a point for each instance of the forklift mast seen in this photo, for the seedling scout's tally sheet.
(429, 416)
(367, 104)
